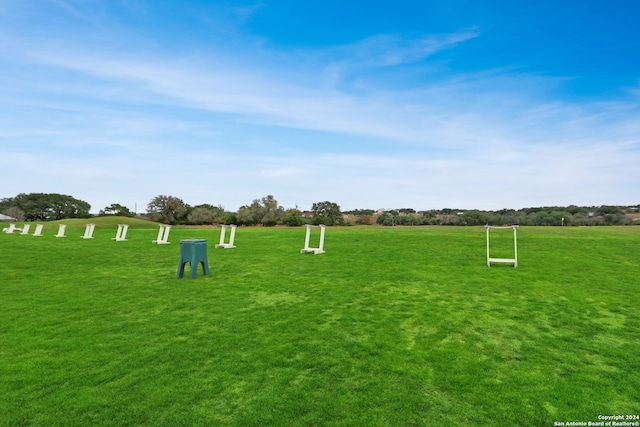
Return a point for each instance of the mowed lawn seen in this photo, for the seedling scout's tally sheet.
(397, 326)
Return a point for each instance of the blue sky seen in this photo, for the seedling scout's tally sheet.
(368, 104)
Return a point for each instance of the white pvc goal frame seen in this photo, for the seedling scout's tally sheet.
(88, 231)
(513, 260)
(320, 248)
(232, 236)
(163, 235)
(121, 234)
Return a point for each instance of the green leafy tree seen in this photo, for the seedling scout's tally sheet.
(205, 214)
(167, 209)
(47, 206)
(327, 213)
(263, 211)
(272, 212)
(257, 211)
(385, 219)
(361, 212)
(116, 209)
(408, 220)
(474, 217)
(229, 218)
(243, 217)
(293, 217)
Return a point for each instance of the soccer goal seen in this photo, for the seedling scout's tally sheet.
(513, 260)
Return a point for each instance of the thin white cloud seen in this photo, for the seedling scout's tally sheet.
(262, 99)
(385, 50)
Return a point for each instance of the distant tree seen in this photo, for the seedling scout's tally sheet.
(506, 212)
(327, 213)
(611, 210)
(244, 217)
(257, 211)
(199, 216)
(474, 217)
(263, 211)
(205, 214)
(561, 217)
(14, 212)
(612, 219)
(361, 212)
(293, 217)
(229, 218)
(573, 209)
(386, 219)
(272, 212)
(365, 220)
(47, 206)
(116, 209)
(167, 209)
(408, 220)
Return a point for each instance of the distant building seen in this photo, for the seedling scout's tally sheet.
(4, 217)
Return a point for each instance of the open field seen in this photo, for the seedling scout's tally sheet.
(390, 327)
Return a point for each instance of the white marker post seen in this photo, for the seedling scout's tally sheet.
(513, 260)
(223, 232)
(61, 229)
(163, 235)
(38, 232)
(88, 231)
(10, 229)
(121, 234)
(320, 248)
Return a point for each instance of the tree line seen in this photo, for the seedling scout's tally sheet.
(545, 216)
(266, 211)
(171, 210)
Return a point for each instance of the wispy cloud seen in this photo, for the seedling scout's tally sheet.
(385, 50)
(460, 113)
(435, 116)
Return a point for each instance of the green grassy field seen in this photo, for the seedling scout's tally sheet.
(395, 326)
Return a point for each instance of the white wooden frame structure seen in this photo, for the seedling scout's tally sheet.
(320, 248)
(513, 260)
(61, 229)
(38, 232)
(232, 236)
(121, 234)
(163, 235)
(10, 229)
(25, 229)
(88, 231)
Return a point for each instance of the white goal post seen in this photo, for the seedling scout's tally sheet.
(163, 235)
(232, 236)
(121, 234)
(513, 260)
(320, 248)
